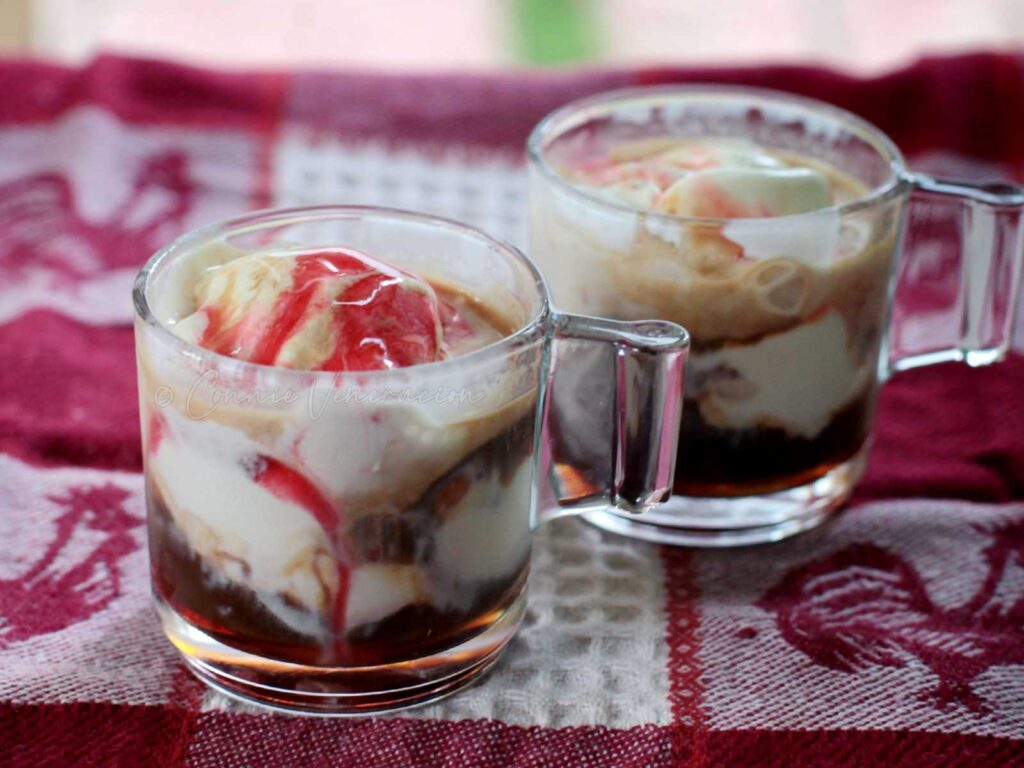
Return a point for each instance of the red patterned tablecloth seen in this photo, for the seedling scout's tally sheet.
(895, 636)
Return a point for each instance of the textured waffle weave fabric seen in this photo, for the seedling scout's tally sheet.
(910, 607)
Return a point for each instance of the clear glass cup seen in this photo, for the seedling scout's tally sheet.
(789, 351)
(359, 542)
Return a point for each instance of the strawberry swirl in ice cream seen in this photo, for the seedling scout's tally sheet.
(321, 310)
(743, 245)
(329, 520)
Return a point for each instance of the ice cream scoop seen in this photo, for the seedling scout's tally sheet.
(723, 178)
(329, 310)
(746, 193)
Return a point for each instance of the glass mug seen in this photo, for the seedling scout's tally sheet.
(792, 336)
(344, 543)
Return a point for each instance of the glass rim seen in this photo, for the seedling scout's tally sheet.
(267, 217)
(550, 125)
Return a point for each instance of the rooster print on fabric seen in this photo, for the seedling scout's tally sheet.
(42, 228)
(864, 605)
(47, 245)
(78, 573)
(87, 198)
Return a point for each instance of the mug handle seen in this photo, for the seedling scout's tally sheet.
(611, 403)
(959, 278)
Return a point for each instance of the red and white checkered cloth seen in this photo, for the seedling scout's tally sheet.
(894, 636)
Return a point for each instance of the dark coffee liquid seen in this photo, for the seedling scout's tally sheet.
(743, 462)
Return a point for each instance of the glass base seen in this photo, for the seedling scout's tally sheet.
(735, 522)
(339, 691)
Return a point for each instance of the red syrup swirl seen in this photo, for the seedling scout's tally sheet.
(380, 317)
(292, 486)
(454, 325)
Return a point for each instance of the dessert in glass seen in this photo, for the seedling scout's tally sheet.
(346, 437)
(770, 227)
